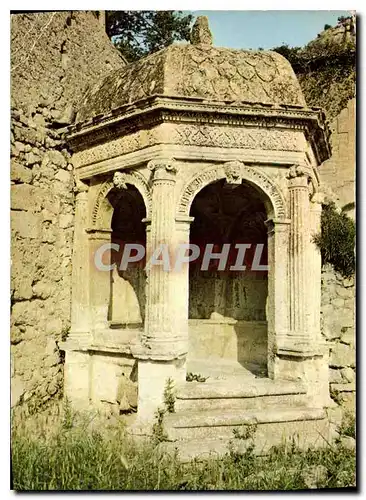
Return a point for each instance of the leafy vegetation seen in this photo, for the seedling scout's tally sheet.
(87, 454)
(139, 33)
(337, 240)
(195, 377)
(326, 67)
(169, 396)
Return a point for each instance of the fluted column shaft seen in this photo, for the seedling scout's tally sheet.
(80, 312)
(315, 262)
(100, 278)
(299, 252)
(278, 287)
(159, 324)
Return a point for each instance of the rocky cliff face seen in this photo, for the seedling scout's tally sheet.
(54, 57)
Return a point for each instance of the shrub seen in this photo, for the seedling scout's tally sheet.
(337, 240)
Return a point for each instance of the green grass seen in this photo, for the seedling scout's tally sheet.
(69, 452)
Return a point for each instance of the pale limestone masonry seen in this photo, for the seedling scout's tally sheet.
(54, 56)
(338, 327)
(155, 134)
(339, 172)
(156, 153)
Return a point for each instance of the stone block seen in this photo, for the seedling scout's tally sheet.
(19, 173)
(26, 197)
(57, 158)
(63, 176)
(338, 302)
(17, 390)
(66, 220)
(344, 292)
(348, 442)
(335, 376)
(43, 289)
(31, 158)
(23, 290)
(26, 224)
(348, 374)
(342, 356)
(54, 326)
(348, 336)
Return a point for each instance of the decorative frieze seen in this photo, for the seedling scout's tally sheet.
(193, 135)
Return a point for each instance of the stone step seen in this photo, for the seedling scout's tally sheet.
(281, 422)
(215, 448)
(236, 394)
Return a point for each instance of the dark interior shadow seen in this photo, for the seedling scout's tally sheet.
(232, 214)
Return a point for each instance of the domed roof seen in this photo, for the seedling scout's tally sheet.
(198, 70)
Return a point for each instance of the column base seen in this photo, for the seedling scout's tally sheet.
(308, 364)
(152, 381)
(77, 378)
(160, 350)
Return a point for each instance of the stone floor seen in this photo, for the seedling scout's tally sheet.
(221, 369)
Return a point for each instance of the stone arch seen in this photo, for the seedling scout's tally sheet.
(235, 171)
(102, 211)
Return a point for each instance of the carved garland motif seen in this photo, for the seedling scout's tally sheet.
(250, 174)
(120, 180)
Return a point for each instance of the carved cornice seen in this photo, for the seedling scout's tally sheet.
(152, 111)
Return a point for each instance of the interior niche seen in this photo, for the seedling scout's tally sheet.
(127, 291)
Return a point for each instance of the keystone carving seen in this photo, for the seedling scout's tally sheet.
(119, 180)
(232, 171)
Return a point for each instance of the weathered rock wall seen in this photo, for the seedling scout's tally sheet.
(338, 327)
(330, 84)
(339, 172)
(54, 57)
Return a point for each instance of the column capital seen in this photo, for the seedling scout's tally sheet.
(80, 187)
(298, 176)
(277, 224)
(95, 233)
(318, 198)
(162, 169)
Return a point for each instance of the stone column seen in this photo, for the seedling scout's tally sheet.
(300, 355)
(77, 362)
(100, 280)
(278, 287)
(180, 295)
(315, 262)
(162, 351)
(299, 240)
(160, 332)
(80, 313)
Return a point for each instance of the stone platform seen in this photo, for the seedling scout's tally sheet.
(212, 416)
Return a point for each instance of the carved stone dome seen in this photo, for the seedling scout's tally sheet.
(198, 70)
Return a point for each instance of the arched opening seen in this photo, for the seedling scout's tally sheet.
(127, 290)
(227, 304)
